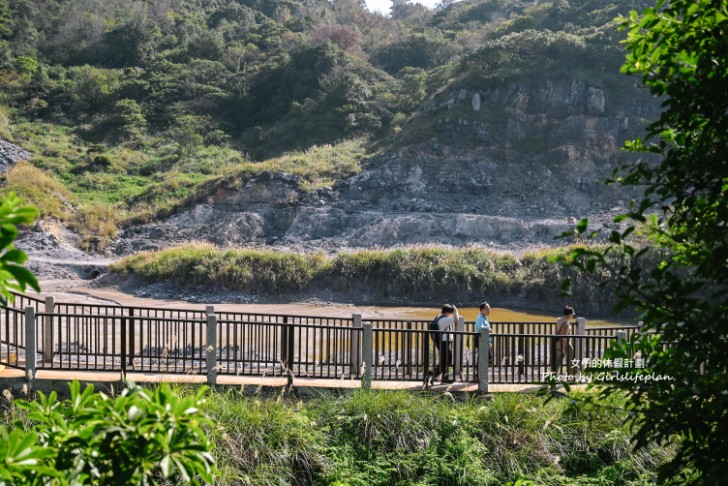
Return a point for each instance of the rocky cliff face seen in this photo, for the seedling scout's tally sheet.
(505, 166)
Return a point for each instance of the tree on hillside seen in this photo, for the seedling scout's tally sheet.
(680, 49)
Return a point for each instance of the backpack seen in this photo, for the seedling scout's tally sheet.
(434, 325)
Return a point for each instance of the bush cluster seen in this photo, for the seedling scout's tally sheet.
(418, 274)
(385, 438)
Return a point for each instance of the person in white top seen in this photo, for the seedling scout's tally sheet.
(446, 321)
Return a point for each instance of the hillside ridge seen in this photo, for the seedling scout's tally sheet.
(317, 124)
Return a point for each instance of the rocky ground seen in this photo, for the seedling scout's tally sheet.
(54, 254)
(394, 201)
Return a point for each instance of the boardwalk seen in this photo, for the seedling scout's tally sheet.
(50, 380)
(44, 336)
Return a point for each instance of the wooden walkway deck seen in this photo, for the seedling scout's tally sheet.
(47, 380)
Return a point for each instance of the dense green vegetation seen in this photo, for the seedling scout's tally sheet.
(135, 108)
(137, 437)
(427, 274)
(385, 437)
(680, 51)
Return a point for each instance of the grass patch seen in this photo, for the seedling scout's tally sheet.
(397, 437)
(418, 274)
(317, 166)
(34, 187)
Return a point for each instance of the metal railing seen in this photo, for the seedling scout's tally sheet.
(496, 327)
(12, 337)
(21, 301)
(93, 337)
(291, 349)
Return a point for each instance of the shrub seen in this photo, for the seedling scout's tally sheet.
(96, 224)
(135, 438)
(418, 274)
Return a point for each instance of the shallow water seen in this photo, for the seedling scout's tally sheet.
(498, 314)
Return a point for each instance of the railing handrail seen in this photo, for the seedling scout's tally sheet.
(197, 311)
(26, 296)
(612, 328)
(295, 324)
(298, 316)
(13, 309)
(119, 316)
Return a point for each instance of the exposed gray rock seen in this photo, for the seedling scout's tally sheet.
(577, 96)
(476, 102)
(596, 101)
(9, 154)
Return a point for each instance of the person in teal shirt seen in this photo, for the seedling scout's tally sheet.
(480, 322)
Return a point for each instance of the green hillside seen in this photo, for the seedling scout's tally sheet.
(135, 108)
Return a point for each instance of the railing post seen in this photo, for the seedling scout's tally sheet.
(50, 306)
(426, 357)
(458, 350)
(621, 336)
(290, 355)
(354, 346)
(123, 348)
(211, 350)
(368, 353)
(579, 344)
(522, 350)
(283, 357)
(30, 345)
(132, 338)
(407, 355)
(483, 357)
(210, 311)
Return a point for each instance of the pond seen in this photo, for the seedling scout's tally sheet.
(498, 314)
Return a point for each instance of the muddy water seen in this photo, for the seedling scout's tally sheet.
(498, 314)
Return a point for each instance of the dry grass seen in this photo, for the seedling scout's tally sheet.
(36, 188)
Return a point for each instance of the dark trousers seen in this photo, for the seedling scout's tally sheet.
(444, 358)
(477, 354)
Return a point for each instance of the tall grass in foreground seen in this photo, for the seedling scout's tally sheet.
(403, 438)
(418, 274)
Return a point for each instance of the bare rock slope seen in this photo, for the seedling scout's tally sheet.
(508, 166)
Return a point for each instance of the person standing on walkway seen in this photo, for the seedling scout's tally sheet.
(480, 323)
(564, 330)
(442, 339)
